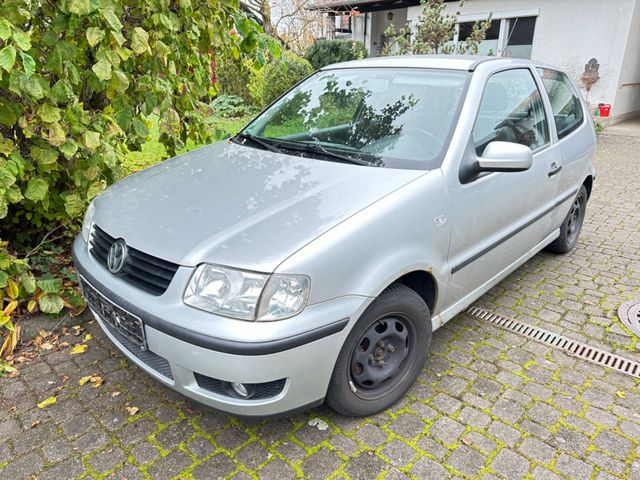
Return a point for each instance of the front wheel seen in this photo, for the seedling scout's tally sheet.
(570, 228)
(383, 354)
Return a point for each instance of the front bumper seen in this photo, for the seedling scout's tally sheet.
(189, 350)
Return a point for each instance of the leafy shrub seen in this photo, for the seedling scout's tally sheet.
(278, 76)
(230, 106)
(233, 77)
(78, 80)
(326, 52)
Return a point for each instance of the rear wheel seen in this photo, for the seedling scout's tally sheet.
(383, 354)
(570, 228)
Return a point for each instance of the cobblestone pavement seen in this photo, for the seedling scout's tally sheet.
(489, 403)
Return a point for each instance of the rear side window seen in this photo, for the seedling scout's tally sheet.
(565, 103)
(511, 111)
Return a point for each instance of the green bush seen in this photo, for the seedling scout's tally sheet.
(277, 77)
(326, 52)
(233, 77)
(78, 80)
(230, 106)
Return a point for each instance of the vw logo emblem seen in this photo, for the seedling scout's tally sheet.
(117, 256)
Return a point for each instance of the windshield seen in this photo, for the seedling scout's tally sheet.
(398, 118)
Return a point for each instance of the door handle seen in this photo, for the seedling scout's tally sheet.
(555, 169)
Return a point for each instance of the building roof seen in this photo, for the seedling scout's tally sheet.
(361, 5)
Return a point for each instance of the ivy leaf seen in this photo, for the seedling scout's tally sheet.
(139, 40)
(5, 29)
(69, 149)
(102, 69)
(8, 57)
(51, 303)
(74, 205)
(94, 35)
(48, 113)
(79, 7)
(50, 285)
(28, 64)
(37, 189)
(22, 40)
(112, 19)
(91, 140)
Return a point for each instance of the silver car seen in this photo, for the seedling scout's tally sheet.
(310, 257)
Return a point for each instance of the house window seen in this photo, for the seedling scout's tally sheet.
(489, 46)
(507, 37)
(519, 37)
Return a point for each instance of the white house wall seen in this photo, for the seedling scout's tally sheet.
(569, 33)
(627, 101)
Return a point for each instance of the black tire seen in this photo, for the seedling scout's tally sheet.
(570, 228)
(360, 388)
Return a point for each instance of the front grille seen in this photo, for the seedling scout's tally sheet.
(259, 390)
(149, 273)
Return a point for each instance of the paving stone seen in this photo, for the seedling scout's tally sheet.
(25, 466)
(573, 468)
(170, 466)
(70, 468)
(467, 461)
(108, 460)
(446, 430)
(407, 426)
(536, 450)
(427, 468)
(504, 433)
(398, 453)
(371, 435)
(473, 417)
(218, 466)
(145, 452)
(510, 464)
(613, 443)
(321, 464)
(365, 466)
(276, 470)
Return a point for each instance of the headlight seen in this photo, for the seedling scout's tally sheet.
(239, 294)
(88, 221)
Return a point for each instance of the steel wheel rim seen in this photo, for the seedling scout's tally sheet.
(379, 359)
(576, 215)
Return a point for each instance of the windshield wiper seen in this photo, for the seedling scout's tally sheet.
(319, 149)
(257, 141)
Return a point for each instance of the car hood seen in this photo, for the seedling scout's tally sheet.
(238, 206)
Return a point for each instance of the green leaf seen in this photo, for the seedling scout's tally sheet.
(79, 7)
(6, 146)
(47, 402)
(32, 86)
(48, 113)
(112, 19)
(51, 303)
(69, 149)
(29, 283)
(5, 29)
(4, 277)
(44, 155)
(50, 285)
(119, 81)
(91, 140)
(74, 205)
(56, 135)
(28, 64)
(102, 69)
(9, 112)
(8, 57)
(22, 40)
(37, 189)
(6, 178)
(95, 189)
(139, 40)
(13, 194)
(4, 208)
(94, 35)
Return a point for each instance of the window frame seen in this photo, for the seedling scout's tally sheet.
(534, 77)
(575, 91)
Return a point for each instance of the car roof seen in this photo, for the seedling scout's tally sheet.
(448, 62)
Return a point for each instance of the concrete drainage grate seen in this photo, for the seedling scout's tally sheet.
(572, 347)
(629, 314)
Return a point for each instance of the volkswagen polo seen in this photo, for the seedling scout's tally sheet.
(310, 257)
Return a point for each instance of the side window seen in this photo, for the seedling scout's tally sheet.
(565, 103)
(511, 111)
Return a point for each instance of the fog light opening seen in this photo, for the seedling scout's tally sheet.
(241, 390)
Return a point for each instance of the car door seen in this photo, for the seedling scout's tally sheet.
(498, 218)
(575, 136)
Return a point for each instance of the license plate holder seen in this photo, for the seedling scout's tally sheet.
(116, 317)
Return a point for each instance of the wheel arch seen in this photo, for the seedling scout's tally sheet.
(588, 184)
(424, 284)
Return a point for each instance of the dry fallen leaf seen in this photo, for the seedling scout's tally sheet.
(467, 441)
(96, 380)
(84, 380)
(115, 394)
(80, 348)
(35, 423)
(63, 344)
(132, 410)
(46, 346)
(65, 378)
(47, 401)
(87, 337)
(621, 394)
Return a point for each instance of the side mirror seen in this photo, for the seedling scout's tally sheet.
(505, 157)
